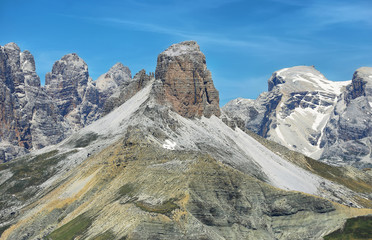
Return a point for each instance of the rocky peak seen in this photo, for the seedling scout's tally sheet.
(295, 110)
(361, 83)
(125, 91)
(348, 134)
(110, 81)
(120, 72)
(142, 78)
(183, 48)
(12, 46)
(11, 54)
(71, 68)
(184, 81)
(72, 89)
(302, 78)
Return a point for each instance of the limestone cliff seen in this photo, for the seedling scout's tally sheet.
(185, 82)
(29, 118)
(348, 134)
(33, 116)
(71, 88)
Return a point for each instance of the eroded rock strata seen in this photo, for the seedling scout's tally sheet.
(186, 83)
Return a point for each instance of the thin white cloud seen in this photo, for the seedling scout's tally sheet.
(342, 12)
(322, 13)
(261, 44)
(333, 12)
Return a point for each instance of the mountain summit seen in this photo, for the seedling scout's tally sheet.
(185, 82)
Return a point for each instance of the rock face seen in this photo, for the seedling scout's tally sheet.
(305, 112)
(33, 117)
(294, 111)
(29, 119)
(125, 89)
(348, 134)
(108, 84)
(71, 88)
(185, 82)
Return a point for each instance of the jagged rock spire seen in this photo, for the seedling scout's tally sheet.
(73, 91)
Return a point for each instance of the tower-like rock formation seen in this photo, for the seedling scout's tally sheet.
(70, 86)
(184, 81)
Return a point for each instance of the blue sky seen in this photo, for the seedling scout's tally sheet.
(244, 41)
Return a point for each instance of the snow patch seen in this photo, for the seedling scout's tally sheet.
(169, 145)
(321, 83)
(281, 71)
(279, 133)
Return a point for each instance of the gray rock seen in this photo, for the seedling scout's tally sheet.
(108, 84)
(119, 86)
(307, 113)
(71, 88)
(348, 134)
(34, 117)
(294, 111)
(29, 119)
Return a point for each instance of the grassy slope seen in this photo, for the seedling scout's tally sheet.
(72, 229)
(355, 228)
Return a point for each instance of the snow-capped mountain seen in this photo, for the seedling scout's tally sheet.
(168, 164)
(305, 112)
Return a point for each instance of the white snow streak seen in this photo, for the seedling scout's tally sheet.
(281, 71)
(169, 145)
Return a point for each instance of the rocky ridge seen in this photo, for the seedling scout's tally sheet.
(108, 84)
(34, 116)
(126, 90)
(29, 119)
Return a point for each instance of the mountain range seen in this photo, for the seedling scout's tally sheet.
(155, 157)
